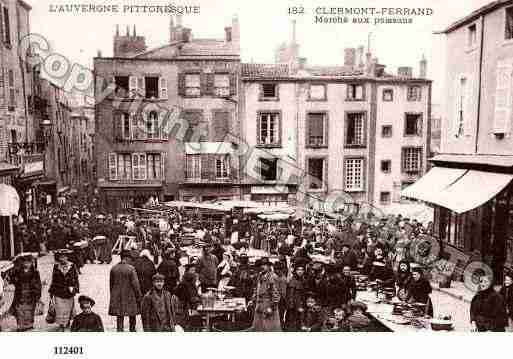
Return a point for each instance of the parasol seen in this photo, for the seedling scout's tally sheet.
(9, 200)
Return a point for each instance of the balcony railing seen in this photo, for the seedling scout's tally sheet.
(23, 152)
(208, 177)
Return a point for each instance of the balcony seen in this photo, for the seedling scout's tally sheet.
(29, 156)
(208, 178)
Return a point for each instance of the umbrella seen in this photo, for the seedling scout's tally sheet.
(274, 217)
(9, 200)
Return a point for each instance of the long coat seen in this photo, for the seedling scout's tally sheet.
(145, 270)
(295, 298)
(507, 295)
(125, 292)
(33, 279)
(152, 321)
(487, 309)
(266, 297)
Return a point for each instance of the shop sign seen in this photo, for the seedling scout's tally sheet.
(30, 168)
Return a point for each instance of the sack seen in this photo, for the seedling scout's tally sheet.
(51, 314)
(179, 329)
(40, 308)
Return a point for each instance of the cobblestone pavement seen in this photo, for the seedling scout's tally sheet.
(94, 282)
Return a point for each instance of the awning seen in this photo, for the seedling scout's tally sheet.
(198, 148)
(436, 180)
(488, 160)
(9, 200)
(474, 189)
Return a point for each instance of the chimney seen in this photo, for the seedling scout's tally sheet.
(301, 63)
(235, 34)
(127, 31)
(423, 68)
(228, 34)
(187, 35)
(360, 53)
(405, 71)
(135, 32)
(368, 64)
(350, 57)
(117, 30)
(179, 19)
(99, 53)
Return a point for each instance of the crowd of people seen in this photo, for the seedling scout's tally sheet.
(289, 288)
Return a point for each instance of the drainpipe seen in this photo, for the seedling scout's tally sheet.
(479, 88)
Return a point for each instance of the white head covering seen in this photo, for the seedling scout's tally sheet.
(145, 253)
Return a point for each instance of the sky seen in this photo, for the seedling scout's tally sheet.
(264, 25)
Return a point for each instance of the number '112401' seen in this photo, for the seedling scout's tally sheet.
(68, 350)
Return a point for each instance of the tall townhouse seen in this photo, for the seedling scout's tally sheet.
(470, 183)
(315, 131)
(162, 131)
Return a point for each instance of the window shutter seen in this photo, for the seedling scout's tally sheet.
(205, 167)
(212, 166)
(162, 165)
(163, 88)
(1, 23)
(397, 192)
(162, 129)
(135, 166)
(468, 106)
(117, 120)
(221, 125)
(2, 87)
(181, 84)
(132, 86)
(502, 111)
(113, 166)
(203, 84)
(453, 131)
(141, 87)
(420, 123)
(142, 166)
(359, 92)
(210, 84)
(233, 84)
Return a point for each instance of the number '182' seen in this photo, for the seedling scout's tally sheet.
(296, 10)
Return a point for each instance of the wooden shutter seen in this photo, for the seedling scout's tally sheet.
(210, 84)
(143, 171)
(205, 166)
(502, 113)
(117, 120)
(163, 166)
(2, 87)
(113, 166)
(163, 134)
(181, 84)
(203, 83)
(141, 86)
(420, 123)
(468, 106)
(315, 127)
(221, 125)
(1, 23)
(396, 194)
(163, 88)
(455, 123)
(233, 84)
(132, 86)
(135, 166)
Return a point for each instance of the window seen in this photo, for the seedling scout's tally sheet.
(197, 127)
(122, 86)
(355, 92)
(154, 164)
(461, 107)
(355, 132)
(124, 166)
(386, 131)
(414, 93)
(269, 92)
(192, 85)
(12, 91)
(193, 166)
(317, 92)
(316, 173)
(472, 35)
(509, 24)
(6, 28)
(220, 125)
(139, 166)
(269, 169)
(222, 166)
(152, 87)
(385, 197)
(386, 166)
(317, 130)
(222, 85)
(354, 174)
(413, 125)
(269, 129)
(412, 159)
(112, 164)
(388, 95)
(151, 125)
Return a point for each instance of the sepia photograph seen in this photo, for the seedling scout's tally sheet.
(240, 167)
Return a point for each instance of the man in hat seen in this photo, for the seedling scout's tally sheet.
(87, 321)
(266, 299)
(169, 269)
(125, 292)
(296, 297)
(156, 308)
(207, 269)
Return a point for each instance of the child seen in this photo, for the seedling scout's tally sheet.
(337, 322)
(87, 321)
(358, 320)
(312, 317)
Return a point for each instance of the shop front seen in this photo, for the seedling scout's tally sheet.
(31, 171)
(9, 206)
(119, 198)
(472, 198)
(208, 192)
(272, 194)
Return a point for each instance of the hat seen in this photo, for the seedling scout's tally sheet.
(125, 253)
(189, 266)
(359, 305)
(279, 266)
(22, 257)
(85, 298)
(157, 276)
(262, 261)
(63, 252)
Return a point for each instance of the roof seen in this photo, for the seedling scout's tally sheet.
(476, 14)
(195, 47)
(490, 160)
(285, 72)
(25, 5)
